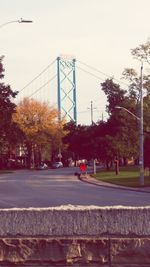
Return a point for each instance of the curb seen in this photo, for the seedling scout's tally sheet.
(90, 180)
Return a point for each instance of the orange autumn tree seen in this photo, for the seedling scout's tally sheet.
(39, 123)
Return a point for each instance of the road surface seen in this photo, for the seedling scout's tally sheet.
(54, 187)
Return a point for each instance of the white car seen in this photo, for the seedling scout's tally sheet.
(42, 166)
(57, 164)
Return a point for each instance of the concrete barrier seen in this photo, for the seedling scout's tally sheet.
(61, 236)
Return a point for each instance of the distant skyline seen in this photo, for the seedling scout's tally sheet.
(100, 33)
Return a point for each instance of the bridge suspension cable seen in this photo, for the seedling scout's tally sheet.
(97, 70)
(50, 80)
(37, 76)
(90, 73)
(67, 74)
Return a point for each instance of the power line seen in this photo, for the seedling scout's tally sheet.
(97, 109)
(83, 111)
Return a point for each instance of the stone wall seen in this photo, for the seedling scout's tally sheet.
(75, 236)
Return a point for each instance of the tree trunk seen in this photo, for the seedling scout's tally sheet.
(117, 166)
(29, 150)
(107, 165)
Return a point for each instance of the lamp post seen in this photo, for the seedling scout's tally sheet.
(141, 161)
(141, 138)
(125, 109)
(14, 21)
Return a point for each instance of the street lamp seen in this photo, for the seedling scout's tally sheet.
(141, 141)
(141, 162)
(141, 154)
(119, 107)
(14, 21)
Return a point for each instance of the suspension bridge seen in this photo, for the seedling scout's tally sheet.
(69, 85)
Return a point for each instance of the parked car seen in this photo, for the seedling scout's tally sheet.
(57, 164)
(42, 166)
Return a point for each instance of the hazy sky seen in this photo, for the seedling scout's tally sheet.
(100, 33)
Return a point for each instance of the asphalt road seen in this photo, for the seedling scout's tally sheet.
(50, 188)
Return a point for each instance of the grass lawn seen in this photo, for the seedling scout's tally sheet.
(128, 176)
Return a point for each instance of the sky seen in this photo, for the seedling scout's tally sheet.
(99, 33)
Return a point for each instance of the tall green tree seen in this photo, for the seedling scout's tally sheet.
(142, 52)
(120, 138)
(7, 108)
(78, 140)
(119, 135)
(147, 150)
(115, 95)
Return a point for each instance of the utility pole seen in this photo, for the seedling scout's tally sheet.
(91, 108)
(92, 123)
(92, 112)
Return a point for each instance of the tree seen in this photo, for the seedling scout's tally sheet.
(120, 139)
(142, 52)
(115, 95)
(40, 125)
(7, 108)
(147, 151)
(77, 139)
(125, 138)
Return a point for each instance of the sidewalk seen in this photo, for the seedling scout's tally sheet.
(91, 180)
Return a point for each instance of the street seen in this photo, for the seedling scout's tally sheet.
(54, 187)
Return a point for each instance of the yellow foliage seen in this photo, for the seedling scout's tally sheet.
(37, 119)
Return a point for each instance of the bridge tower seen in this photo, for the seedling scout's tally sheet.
(66, 81)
